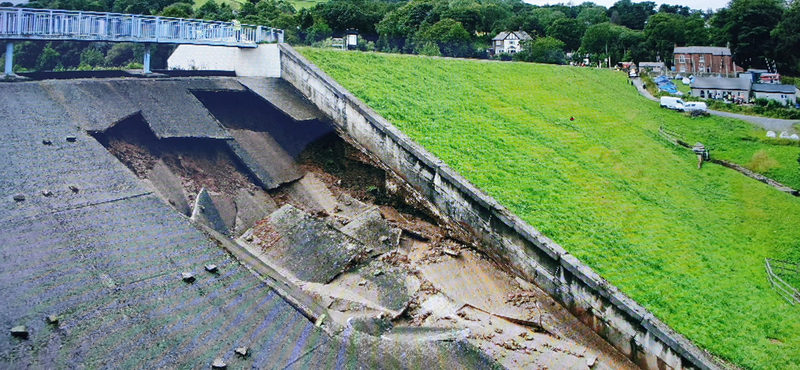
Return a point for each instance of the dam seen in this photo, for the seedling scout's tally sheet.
(243, 210)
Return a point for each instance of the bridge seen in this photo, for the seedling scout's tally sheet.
(69, 25)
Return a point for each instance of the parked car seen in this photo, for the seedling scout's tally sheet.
(672, 102)
(632, 73)
(695, 106)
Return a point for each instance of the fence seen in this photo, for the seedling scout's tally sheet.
(48, 24)
(784, 289)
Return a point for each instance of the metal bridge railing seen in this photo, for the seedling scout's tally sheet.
(47, 24)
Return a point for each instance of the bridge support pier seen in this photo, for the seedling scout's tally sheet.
(9, 59)
(146, 59)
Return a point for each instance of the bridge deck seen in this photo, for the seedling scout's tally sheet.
(50, 24)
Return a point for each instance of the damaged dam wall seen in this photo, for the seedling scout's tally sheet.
(505, 237)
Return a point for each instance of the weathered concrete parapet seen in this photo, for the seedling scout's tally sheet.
(504, 236)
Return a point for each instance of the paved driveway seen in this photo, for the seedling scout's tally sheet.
(774, 124)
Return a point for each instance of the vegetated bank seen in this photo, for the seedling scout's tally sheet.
(687, 244)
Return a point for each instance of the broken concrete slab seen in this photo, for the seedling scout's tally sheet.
(348, 208)
(307, 248)
(375, 287)
(457, 278)
(251, 206)
(372, 230)
(206, 212)
(264, 158)
(158, 100)
(312, 193)
(227, 210)
(169, 187)
(283, 96)
(92, 105)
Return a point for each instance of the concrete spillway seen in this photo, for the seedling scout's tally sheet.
(169, 222)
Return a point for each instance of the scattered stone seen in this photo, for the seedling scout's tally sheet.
(47, 193)
(377, 273)
(383, 239)
(72, 139)
(498, 330)
(19, 198)
(784, 135)
(74, 188)
(211, 268)
(590, 362)
(20, 331)
(771, 134)
(794, 137)
(362, 283)
(187, 277)
(52, 319)
(451, 252)
(218, 363)
(241, 351)
(47, 142)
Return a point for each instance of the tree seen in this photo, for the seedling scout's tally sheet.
(747, 26)
(542, 50)
(787, 34)
(48, 59)
(663, 32)
(92, 57)
(631, 15)
(450, 35)
(178, 10)
(590, 15)
(604, 39)
(569, 31)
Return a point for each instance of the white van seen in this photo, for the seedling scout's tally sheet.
(672, 102)
(695, 106)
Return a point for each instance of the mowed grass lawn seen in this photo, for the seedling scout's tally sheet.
(687, 244)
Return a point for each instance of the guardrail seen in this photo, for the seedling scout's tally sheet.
(50, 24)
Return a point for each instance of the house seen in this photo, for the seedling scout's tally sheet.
(509, 42)
(704, 59)
(654, 67)
(784, 94)
(721, 88)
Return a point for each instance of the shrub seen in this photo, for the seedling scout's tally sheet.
(762, 162)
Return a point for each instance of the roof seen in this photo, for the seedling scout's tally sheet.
(651, 64)
(702, 50)
(522, 35)
(716, 83)
(775, 88)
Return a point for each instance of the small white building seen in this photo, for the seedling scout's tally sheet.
(509, 42)
(721, 88)
(784, 94)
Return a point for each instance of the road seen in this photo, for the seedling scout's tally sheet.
(774, 124)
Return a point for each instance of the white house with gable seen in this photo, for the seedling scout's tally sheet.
(509, 42)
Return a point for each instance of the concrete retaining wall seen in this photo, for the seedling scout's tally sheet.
(263, 61)
(503, 235)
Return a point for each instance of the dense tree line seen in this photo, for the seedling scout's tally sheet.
(757, 31)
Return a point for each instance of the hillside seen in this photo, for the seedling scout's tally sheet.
(687, 244)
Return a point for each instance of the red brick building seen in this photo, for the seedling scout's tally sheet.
(704, 59)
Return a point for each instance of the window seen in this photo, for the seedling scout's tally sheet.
(682, 60)
(702, 59)
(683, 69)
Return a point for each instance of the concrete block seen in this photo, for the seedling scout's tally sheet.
(251, 207)
(20, 332)
(169, 187)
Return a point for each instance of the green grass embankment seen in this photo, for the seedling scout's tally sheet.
(687, 244)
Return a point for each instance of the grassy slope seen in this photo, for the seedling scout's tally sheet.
(687, 244)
